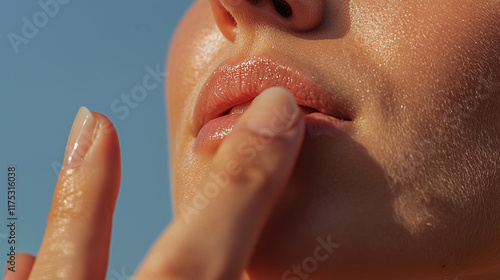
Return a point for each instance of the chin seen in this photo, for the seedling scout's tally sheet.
(339, 196)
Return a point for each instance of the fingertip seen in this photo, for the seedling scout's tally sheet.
(106, 151)
(89, 129)
(19, 266)
(105, 125)
(274, 111)
(80, 138)
(93, 161)
(105, 160)
(104, 163)
(273, 123)
(83, 203)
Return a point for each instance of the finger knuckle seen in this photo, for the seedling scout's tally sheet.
(253, 177)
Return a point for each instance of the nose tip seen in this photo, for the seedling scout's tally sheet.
(292, 15)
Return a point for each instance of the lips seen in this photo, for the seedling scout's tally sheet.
(233, 85)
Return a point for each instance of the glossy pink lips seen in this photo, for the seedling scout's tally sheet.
(233, 85)
(215, 130)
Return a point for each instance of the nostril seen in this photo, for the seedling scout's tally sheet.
(283, 8)
(232, 16)
(224, 19)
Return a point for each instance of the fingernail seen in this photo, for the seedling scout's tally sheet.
(80, 138)
(274, 109)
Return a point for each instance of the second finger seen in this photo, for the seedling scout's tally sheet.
(76, 241)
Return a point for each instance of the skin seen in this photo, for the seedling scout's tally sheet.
(87, 188)
(410, 192)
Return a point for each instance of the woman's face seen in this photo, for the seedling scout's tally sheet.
(406, 179)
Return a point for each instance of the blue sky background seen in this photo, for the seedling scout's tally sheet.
(89, 53)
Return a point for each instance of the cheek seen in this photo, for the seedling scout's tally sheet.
(195, 45)
(433, 59)
(439, 65)
(389, 29)
(429, 42)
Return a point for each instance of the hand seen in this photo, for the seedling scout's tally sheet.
(76, 241)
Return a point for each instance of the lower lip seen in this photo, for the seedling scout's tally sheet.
(317, 125)
(214, 131)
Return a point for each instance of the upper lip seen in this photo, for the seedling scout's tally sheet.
(233, 83)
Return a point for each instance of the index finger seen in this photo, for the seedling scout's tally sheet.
(214, 240)
(77, 236)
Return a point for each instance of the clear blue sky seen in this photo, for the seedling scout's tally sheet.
(85, 53)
